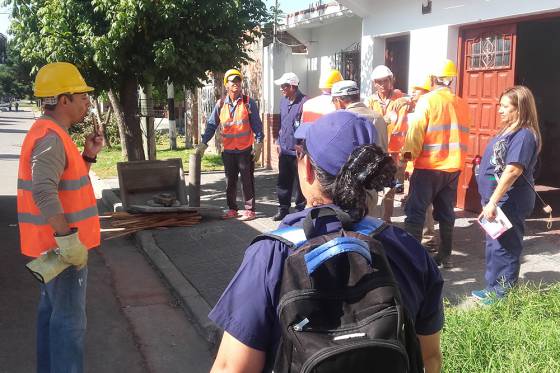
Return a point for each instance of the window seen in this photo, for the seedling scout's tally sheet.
(489, 52)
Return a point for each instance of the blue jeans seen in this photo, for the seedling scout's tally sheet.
(61, 323)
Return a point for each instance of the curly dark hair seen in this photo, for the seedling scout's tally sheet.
(367, 168)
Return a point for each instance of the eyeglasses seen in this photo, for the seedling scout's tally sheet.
(284, 86)
(381, 81)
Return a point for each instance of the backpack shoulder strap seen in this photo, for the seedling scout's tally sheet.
(294, 237)
(246, 103)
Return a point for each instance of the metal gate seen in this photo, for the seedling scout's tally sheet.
(348, 62)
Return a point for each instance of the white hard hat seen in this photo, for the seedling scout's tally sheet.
(380, 72)
(345, 88)
(287, 78)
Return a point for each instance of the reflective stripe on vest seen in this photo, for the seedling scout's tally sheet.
(62, 185)
(237, 133)
(74, 192)
(316, 107)
(72, 217)
(447, 132)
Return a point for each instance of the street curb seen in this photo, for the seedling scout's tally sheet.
(192, 302)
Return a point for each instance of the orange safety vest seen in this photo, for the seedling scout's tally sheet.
(396, 131)
(237, 133)
(446, 138)
(74, 191)
(316, 107)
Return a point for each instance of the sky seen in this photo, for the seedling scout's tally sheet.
(4, 20)
(288, 6)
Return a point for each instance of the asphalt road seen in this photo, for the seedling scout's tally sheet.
(134, 322)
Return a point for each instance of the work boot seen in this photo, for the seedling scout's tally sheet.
(280, 214)
(443, 257)
(415, 230)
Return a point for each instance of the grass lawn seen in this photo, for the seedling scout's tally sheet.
(106, 165)
(518, 334)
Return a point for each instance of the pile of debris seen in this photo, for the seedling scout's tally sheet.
(124, 223)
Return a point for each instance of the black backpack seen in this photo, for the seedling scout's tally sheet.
(340, 308)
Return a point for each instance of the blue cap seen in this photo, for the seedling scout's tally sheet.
(331, 139)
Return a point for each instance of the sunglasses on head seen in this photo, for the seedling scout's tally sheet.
(234, 79)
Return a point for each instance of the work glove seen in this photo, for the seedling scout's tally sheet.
(72, 250)
(47, 266)
(257, 150)
(200, 149)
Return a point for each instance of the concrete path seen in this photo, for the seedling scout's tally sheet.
(206, 256)
(135, 324)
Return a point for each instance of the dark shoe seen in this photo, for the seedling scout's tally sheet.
(399, 188)
(442, 262)
(281, 214)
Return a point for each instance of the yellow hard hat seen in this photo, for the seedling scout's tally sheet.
(57, 78)
(231, 72)
(426, 85)
(329, 78)
(445, 68)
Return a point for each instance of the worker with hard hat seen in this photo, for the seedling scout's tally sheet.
(57, 213)
(437, 142)
(318, 106)
(392, 105)
(429, 239)
(242, 135)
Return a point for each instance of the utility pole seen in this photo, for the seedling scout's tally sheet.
(171, 115)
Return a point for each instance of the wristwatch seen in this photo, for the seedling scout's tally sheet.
(89, 159)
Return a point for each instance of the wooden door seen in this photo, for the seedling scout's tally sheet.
(487, 68)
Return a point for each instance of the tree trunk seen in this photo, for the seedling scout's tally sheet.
(104, 126)
(219, 93)
(191, 127)
(119, 116)
(132, 132)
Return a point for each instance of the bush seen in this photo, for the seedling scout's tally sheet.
(518, 334)
(79, 131)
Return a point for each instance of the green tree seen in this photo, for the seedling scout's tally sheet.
(120, 44)
(15, 80)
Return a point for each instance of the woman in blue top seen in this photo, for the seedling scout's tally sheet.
(506, 180)
(336, 166)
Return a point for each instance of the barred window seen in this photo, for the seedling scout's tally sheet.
(489, 52)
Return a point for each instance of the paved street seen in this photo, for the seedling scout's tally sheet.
(134, 323)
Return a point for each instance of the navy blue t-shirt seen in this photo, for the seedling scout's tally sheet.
(519, 147)
(247, 308)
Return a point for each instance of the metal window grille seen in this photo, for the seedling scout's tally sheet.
(489, 52)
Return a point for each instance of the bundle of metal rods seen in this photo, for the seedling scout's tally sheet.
(124, 223)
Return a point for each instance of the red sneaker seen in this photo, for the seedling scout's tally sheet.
(248, 215)
(230, 214)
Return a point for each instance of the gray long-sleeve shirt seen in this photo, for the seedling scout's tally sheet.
(48, 161)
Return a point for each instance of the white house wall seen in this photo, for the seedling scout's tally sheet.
(432, 36)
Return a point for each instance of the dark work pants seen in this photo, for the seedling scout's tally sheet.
(234, 165)
(503, 255)
(432, 186)
(288, 180)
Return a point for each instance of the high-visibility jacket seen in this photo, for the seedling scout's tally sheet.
(74, 192)
(237, 133)
(438, 135)
(396, 128)
(316, 107)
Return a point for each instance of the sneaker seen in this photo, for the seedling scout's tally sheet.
(399, 188)
(230, 214)
(485, 297)
(248, 215)
(280, 215)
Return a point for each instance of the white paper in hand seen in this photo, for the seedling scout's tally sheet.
(497, 227)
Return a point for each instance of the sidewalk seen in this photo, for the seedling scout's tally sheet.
(199, 261)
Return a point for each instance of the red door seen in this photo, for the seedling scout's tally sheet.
(487, 68)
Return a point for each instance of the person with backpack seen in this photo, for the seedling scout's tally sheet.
(343, 293)
(242, 134)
